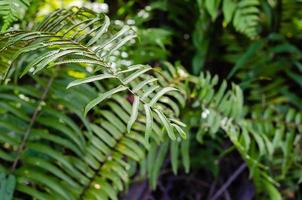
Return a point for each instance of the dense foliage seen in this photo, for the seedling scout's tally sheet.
(90, 104)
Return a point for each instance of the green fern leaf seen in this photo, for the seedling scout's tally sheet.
(12, 10)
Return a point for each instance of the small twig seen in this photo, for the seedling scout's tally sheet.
(212, 188)
(32, 121)
(227, 195)
(229, 182)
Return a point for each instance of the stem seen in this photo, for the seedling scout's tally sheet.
(32, 121)
(229, 182)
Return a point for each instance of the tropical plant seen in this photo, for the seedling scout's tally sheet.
(77, 37)
(79, 122)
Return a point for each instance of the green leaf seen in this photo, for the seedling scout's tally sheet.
(135, 75)
(121, 43)
(157, 163)
(103, 135)
(142, 84)
(52, 169)
(33, 192)
(149, 122)
(177, 122)
(296, 77)
(166, 124)
(48, 181)
(160, 94)
(107, 188)
(246, 139)
(134, 147)
(246, 17)
(87, 60)
(174, 148)
(89, 80)
(228, 8)
(251, 51)
(42, 148)
(7, 186)
(102, 97)
(181, 132)
(271, 190)
(12, 10)
(38, 60)
(278, 137)
(120, 33)
(100, 32)
(134, 113)
(212, 7)
(130, 69)
(108, 125)
(185, 154)
(149, 91)
(3, 71)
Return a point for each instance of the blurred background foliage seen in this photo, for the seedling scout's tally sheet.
(254, 43)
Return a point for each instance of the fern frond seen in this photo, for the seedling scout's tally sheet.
(66, 35)
(90, 159)
(54, 144)
(244, 16)
(150, 167)
(12, 10)
(259, 138)
(59, 132)
(264, 140)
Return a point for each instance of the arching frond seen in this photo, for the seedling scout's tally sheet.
(80, 36)
(86, 158)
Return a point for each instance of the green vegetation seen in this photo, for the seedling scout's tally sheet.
(96, 97)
